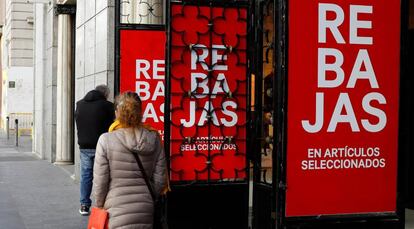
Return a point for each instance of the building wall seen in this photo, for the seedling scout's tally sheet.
(17, 58)
(1, 77)
(94, 62)
(45, 70)
(94, 53)
(20, 97)
(19, 32)
(2, 19)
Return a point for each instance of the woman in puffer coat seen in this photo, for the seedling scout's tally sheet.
(119, 186)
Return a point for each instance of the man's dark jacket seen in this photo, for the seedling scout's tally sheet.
(94, 114)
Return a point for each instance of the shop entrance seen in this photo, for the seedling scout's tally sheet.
(218, 80)
(207, 87)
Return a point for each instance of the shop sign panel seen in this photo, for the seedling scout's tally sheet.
(208, 93)
(142, 66)
(343, 102)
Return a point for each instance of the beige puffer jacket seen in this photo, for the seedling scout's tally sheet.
(118, 184)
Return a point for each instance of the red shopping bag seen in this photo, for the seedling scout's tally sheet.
(98, 219)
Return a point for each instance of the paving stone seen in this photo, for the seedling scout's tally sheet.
(35, 194)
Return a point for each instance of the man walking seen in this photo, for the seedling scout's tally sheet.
(94, 114)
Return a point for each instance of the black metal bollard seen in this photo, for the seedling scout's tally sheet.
(16, 122)
(8, 127)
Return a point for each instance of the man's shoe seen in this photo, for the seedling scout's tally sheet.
(84, 210)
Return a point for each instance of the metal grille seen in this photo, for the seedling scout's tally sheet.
(209, 99)
(142, 12)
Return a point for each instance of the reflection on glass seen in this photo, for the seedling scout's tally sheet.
(149, 12)
(267, 94)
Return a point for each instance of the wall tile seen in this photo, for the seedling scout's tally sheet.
(101, 25)
(100, 5)
(79, 89)
(89, 83)
(80, 12)
(101, 78)
(90, 10)
(101, 58)
(80, 52)
(90, 47)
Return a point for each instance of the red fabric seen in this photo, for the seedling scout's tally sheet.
(98, 219)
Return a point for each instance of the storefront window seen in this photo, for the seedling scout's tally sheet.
(150, 12)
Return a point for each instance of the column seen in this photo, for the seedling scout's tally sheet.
(64, 123)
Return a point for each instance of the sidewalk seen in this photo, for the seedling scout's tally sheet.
(35, 194)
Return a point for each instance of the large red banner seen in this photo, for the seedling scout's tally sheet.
(208, 93)
(142, 66)
(343, 101)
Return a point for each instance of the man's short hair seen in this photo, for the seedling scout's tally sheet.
(103, 89)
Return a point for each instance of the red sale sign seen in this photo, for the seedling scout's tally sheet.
(208, 93)
(343, 101)
(142, 70)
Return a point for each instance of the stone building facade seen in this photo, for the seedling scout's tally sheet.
(94, 52)
(74, 50)
(45, 66)
(17, 59)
